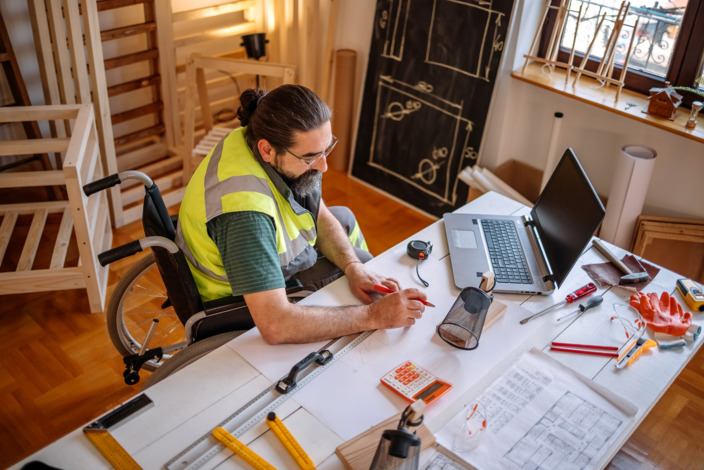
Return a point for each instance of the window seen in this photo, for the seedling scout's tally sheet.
(667, 44)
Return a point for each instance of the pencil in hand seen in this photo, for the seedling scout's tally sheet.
(386, 290)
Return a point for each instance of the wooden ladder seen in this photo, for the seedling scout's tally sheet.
(152, 80)
(148, 144)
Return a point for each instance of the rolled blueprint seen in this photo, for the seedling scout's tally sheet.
(553, 152)
(628, 189)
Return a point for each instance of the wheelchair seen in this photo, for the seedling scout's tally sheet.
(155, 316)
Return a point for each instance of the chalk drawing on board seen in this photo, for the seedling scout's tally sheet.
(428, 167)
(394, 21)
(397, 111)
(428, 88)
(430, 163)
(442, 47)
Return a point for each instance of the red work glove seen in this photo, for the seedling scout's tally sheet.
(664, 315)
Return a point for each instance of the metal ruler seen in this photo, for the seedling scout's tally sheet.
(97, 432)
(254, 411)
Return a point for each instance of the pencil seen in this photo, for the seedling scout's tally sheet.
(588, 346)
(584, 351)
(386, 290)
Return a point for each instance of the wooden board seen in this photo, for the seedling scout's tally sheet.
(358, 452)
(495, 312)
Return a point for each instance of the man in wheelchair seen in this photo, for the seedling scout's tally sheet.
(252, 217)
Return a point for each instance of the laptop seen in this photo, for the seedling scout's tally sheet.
(534, 253)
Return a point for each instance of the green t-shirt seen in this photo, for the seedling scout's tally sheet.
(247, 245)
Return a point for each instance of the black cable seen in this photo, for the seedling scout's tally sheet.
(425, 283)
(227, 114)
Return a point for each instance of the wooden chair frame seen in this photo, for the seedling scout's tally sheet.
(195, 74)
(88, 218)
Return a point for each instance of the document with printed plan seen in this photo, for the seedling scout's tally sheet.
(542, 414)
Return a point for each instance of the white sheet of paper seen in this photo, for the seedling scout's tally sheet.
(356, 377)
(541, 414)
(360, 400)
(276, 361)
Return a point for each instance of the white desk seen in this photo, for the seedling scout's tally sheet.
(190, 403)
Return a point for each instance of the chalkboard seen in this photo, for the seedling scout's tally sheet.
(432, 67)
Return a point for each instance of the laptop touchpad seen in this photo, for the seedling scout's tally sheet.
(464, 239)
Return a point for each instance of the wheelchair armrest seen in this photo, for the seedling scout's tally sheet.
(232, 302)
(213, 307)
(226, 314)
(293, 286)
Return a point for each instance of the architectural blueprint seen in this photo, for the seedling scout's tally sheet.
(542, 415)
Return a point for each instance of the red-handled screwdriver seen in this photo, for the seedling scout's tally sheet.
(583, 291)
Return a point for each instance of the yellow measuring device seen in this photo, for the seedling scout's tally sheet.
(286, 438)
(236, 446)
(98, 434)
(111, 449)
(281, 433)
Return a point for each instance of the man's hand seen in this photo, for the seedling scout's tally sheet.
(362, 282)
(664, 315)
(397, 310)
(280, 321)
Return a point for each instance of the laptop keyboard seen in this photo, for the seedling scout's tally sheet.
(505, 252)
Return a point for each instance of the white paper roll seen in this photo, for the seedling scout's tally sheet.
(630, 185)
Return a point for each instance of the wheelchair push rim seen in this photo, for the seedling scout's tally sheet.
(138, 299)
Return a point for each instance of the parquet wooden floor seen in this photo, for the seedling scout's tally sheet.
(58, 369)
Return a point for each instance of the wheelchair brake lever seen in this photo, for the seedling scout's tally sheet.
(134, 362)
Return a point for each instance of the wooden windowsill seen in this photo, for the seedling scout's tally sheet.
(629, 104)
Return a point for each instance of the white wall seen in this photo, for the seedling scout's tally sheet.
(521, 119)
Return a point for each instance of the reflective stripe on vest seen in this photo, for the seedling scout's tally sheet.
(239, 183)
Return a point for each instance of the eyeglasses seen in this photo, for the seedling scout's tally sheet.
(308, 161)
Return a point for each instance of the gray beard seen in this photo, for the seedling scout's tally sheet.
(307, 184)
(303, 186)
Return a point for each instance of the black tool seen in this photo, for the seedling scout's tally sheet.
(419, 250)
(591, 303)
(629, 277)
(289, 383)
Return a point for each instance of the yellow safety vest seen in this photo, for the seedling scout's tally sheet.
(231, 179)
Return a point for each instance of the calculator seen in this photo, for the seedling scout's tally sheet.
(413, 383)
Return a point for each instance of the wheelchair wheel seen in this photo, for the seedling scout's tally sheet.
(138, 299)
(189, 355)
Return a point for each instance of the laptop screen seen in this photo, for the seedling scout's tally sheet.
(567, 214)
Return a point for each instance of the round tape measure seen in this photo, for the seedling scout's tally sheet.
(418, 249)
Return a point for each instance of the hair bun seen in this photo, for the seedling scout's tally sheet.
(249, 99)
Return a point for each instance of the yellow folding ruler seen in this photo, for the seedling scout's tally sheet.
(98, 433)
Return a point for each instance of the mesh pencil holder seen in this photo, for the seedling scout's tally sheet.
(463, 324)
